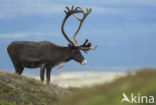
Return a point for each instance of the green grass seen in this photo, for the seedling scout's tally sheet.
(20, 90)
(5, 103)
(143, 82)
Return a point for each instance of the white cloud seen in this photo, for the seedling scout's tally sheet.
(103, 10)
(19, 35)
(11, 8)
(17, 7)
(123, 2)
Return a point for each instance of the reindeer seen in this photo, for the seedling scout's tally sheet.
(47, 55)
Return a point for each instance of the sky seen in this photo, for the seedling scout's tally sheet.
(124, 30)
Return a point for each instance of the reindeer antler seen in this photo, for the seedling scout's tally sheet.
(69, 12)
(85, 46)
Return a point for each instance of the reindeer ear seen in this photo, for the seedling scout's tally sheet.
(72, 46)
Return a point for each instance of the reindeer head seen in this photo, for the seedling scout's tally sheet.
(86, 46)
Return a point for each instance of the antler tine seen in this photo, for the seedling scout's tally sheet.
(79, 11)
(94, 47)
(88, 10)
(72, 7)
(85, 42)
(86, 48)
(85, 14)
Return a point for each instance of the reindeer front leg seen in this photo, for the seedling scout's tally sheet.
(42, 70)
(48, 74)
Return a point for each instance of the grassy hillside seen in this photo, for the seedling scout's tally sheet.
(20, 90)
(143, 82)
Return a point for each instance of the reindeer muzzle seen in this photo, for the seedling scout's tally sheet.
(84, 62)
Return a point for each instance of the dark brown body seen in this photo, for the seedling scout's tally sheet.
(42, 54)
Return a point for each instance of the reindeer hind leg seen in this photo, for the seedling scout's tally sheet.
(20, 70)
(48, 74)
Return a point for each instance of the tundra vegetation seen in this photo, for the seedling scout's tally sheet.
(20, 90)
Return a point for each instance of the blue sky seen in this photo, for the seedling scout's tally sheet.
(125, 30)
